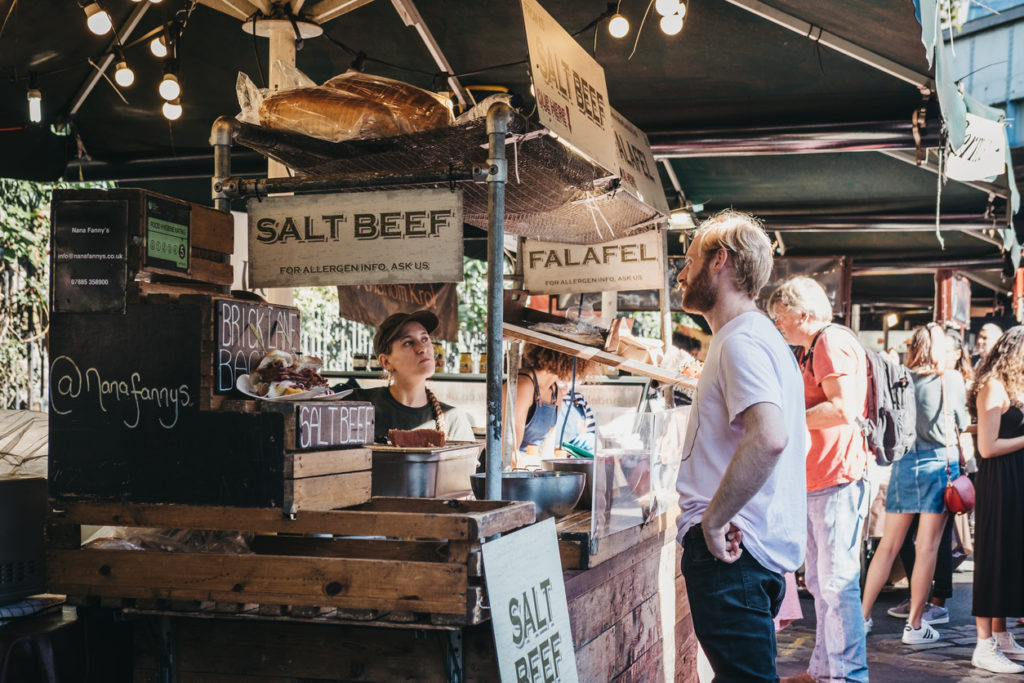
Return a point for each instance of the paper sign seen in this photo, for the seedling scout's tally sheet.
(983, 154)
(572, 96)
(638, 172)
(529, 612)
(399, 236)
(630, 263)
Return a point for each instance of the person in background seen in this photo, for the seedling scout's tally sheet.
(402, 345)
(918, 480)
(834, 371)
(742, 455)
(988, 335)
(996, 398)
(538, 398)
(935, 611)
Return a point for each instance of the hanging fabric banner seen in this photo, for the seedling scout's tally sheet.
(370, 304)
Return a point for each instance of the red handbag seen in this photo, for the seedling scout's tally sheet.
(959, 493)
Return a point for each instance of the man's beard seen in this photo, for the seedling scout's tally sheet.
(700, 296)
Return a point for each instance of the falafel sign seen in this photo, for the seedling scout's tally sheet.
(629, 263)
(390, 237)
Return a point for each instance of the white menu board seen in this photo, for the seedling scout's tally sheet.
(572, 96)
(629, 263)
(360, 238)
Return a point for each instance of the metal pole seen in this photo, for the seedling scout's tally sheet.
(261, 187)
(221, 134)
(497, 126)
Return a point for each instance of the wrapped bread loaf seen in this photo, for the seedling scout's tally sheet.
(327, 114)
(415, 110)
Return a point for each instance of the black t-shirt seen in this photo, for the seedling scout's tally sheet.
(390, 414)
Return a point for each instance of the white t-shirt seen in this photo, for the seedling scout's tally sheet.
(748, 362)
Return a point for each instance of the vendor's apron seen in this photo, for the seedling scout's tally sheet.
(544, 415)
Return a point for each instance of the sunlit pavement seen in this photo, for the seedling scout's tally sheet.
(889, 660)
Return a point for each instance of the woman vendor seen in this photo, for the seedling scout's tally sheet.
(402, 345)
(538, 399)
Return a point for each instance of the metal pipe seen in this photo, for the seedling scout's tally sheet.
(497, 126)
(221, 134)
(872, 224)
(185, 167)
(867, 136)
(261, 187)
(924, 266)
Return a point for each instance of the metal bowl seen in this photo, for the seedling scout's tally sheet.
(554, 494)
(584, 465)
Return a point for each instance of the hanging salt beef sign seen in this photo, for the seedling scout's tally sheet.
(635, 262)
(572, 96)
(638, 172)
(400, 236)
(983, 154)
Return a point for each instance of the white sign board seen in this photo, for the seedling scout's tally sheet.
(638, 171)
(360, 238)
(529, 611)
(983, 154)
(572, 96)
(630, 263)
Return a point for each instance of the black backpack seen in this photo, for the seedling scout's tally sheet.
(890, 425)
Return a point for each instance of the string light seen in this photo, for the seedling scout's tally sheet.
(158, 47)
(172, 110)
(672, 24)
(123, 74)
(666, 8)
(170, 88)
(98, 20)
(35, 101)
(618, 26)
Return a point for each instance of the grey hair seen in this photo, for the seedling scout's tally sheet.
(802, 294)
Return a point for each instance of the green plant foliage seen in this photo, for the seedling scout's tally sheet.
(472, 293)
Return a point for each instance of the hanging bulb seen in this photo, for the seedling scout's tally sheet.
(671, 24)
(681, 10)
(666, 8)
(169, 88)
(158, 47)
(172, 110)
(618, 26)
(35, 105)
(123, 74)
(155, 2)
(98, 21)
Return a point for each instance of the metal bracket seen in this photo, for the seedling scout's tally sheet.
(453, 656)
(497, 171)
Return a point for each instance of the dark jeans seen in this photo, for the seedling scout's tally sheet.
(733, 606)
(943, 587)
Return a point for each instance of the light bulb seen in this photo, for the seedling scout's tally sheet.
(123, 74)
(170, 89)
(158, 47)
(35, 106)
(172, 110)
(618, 26)
(681, 10)
(97, 20)
(892, 319)
(156, 2)
(666, 8)
(671, 24)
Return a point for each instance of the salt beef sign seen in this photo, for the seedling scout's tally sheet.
(399, 236)
(630, 263)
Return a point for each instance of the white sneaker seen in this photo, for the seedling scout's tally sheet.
(868, 625)
(988, 656)
(1008, 646)
(920, 636)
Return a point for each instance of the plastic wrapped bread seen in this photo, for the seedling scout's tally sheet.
(327, 114)
(415, 110)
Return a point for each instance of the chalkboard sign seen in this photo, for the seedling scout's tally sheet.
(320, 424)
(89, 255)
(168, 237)
(242, 332)
(124, 420)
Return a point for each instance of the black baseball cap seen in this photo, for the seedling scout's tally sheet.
(388, 330)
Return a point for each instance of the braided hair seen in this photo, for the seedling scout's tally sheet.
(438, 412)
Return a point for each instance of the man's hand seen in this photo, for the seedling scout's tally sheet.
(724, 541)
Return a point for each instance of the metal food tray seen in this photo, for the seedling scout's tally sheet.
(428, 472)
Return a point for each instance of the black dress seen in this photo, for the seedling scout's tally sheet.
(999, 528)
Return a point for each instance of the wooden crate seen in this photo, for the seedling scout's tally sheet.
(422, 565)
(104, 241)
(579, 549)
(325, 480)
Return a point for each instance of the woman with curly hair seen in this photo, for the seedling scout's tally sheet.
(997, 399)
(918, 480)
(537, 394)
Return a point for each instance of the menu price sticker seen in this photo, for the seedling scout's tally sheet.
(570, 87)
(89, 255)
(529, 611)
(167, 234)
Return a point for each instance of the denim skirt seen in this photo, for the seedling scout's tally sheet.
(918, 479)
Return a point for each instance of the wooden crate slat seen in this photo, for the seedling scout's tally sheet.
(338, 582)
(326, 492)
(371, 549)
(318, 463)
